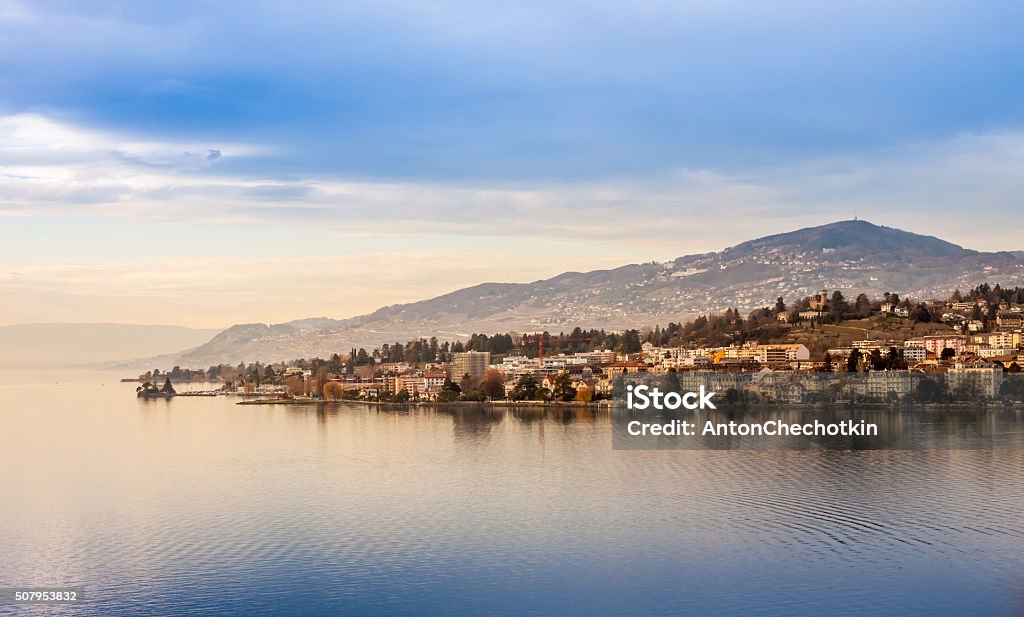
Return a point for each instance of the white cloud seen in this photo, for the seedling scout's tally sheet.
(13, 13)
(54, 168)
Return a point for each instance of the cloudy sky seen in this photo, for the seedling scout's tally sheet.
(208, 163)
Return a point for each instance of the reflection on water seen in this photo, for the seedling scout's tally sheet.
(199, 506)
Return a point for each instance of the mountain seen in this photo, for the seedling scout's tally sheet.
(63, 345)
(854, 256)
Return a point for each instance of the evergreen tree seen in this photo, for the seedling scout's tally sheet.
(630, 342)
(526, 389)
(670, 382)
(563, 390)
(838, 307)
(853, 360)
(619, 387)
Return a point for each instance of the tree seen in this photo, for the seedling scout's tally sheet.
(584, 394)
(469, 386)
(780, 306)
(296, 385)
(447, 396)
(334, 364)
(894, 360)
(670, 382)
(838, 307)
(827, 363)
(321, 380)
(921, 314)
(928, 390)
(1010, 388)
(947, 354)
(619, 387)
(862, 305)
(168, 387)
(630, 342)
(333, 391)
(493, 384)
(853, 360)
(526, 389)
(563, 390)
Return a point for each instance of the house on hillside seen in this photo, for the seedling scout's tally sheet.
(1008, 320)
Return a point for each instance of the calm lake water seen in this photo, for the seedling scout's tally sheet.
(202, 507)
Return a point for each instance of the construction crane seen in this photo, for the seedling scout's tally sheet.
(539, 339)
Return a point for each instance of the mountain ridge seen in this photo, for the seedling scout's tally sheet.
(855, 256)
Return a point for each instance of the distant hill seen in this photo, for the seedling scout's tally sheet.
(63, 345)
(854, 256)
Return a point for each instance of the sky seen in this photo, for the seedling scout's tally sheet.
(204, 164)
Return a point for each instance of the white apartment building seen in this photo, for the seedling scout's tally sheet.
(914, 353)
(881, 383)
(983, 379)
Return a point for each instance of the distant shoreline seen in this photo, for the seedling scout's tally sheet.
(609, 404)
(553, 404)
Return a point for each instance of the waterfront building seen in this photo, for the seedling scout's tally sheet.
(881, 383)
(980, 378)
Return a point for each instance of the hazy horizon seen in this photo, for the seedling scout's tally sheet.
(63, 346)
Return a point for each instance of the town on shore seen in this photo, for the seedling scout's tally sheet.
(823, 348)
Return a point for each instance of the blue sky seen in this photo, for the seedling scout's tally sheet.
(309, 135)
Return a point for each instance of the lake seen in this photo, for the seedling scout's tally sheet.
(198, 506)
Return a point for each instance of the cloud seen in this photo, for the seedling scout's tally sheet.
(527, 91)
(30, 138)
(13, 13)
(49, 167)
